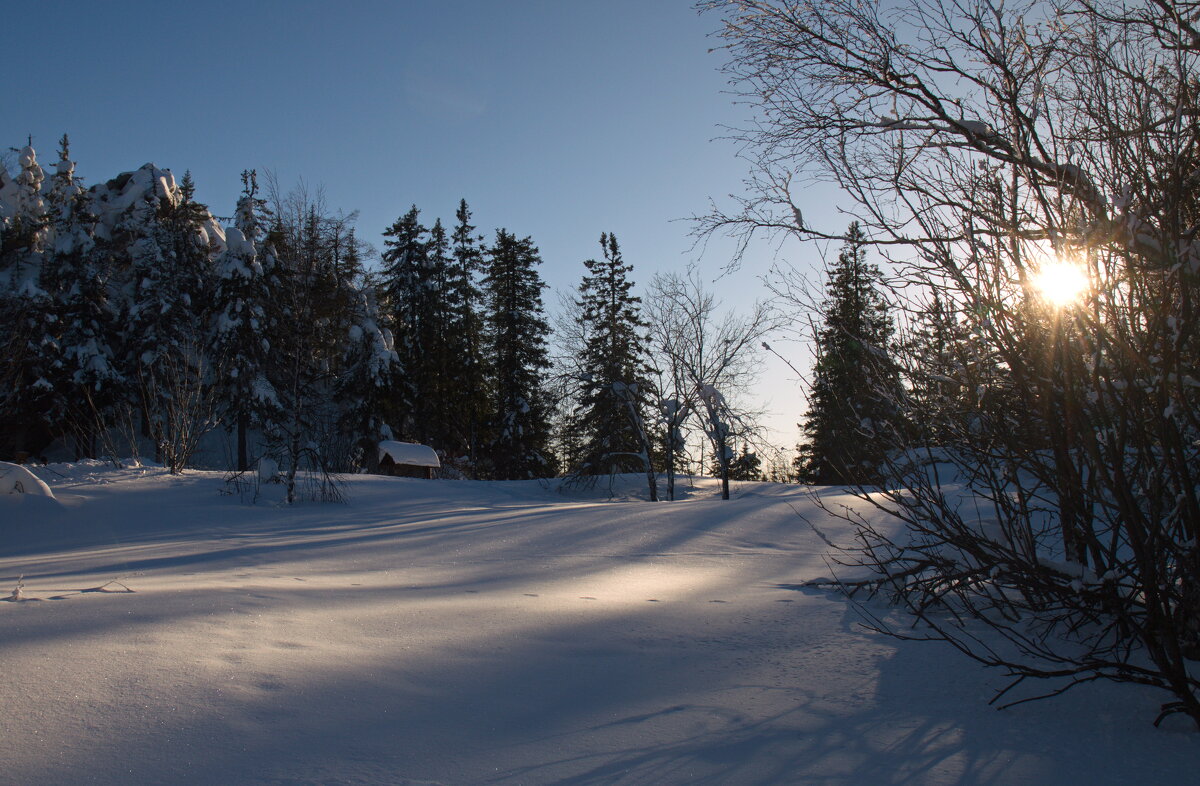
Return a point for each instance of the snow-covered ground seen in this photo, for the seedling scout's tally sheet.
(464, 632)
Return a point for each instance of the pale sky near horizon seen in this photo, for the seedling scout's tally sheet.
(557, 119)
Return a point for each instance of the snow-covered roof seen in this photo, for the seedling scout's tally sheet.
(409, 453)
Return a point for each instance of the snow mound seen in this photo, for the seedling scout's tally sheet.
(15, 479)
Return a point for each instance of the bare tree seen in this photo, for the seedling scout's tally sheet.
(563, 388)
(705, 360)
(984, 145)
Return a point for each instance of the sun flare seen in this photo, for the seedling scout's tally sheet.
(1061, 283)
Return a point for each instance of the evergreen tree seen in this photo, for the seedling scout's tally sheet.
(614, 388)
(743, 464)
(746, 465)
(315, 284)
(517, 336)
(170, 248)
(241, 328)
(127, 305)
(27, 369)
(369, 370)
(409, 288)
(946, 369)
(155, 316)
(340, 287)
(76, 273)
(440, 366)
(469, 392)
(25, 224)
(855, 391)
(431, 294)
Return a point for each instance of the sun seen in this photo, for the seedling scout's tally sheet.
(1061, 283)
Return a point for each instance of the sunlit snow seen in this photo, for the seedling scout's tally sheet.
(471, 632)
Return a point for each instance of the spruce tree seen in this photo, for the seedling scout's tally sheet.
(432, 298)
(517, 332)
(77, 273)
(27, 368)
(854, 403)
(155, 318)
(411, 302)
(364, 385)
(746, 465)
(614, 388)
(171, 249)
(25, 217)
(469, 393)
(945, 368)
(241, 327)
(441, 363)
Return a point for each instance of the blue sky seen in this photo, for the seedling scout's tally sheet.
(555, 119)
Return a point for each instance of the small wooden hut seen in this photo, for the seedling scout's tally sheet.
(407, 460)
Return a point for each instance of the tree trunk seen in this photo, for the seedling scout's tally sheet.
(651, 481)
(670, 469)
(725, 479)
(243, 460)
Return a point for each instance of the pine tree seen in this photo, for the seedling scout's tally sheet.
(27, 369)
(240, 341)
(170, 245)
(615, 387)
(441, 364)
(854, 403)
(411, 301)
(469, 393)
(76, 273)
(369, 369)
(746, 465)
(517, 336)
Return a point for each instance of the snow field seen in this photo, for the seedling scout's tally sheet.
(464, 632)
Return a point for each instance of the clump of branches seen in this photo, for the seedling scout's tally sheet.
(1045, 476)
(178, 405)
(702, 360)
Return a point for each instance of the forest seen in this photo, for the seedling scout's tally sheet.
(140, 321)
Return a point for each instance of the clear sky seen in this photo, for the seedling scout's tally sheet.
(558, 119)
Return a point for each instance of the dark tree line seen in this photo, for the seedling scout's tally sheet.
(141, 321)
(138, 318)
(470, 334)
